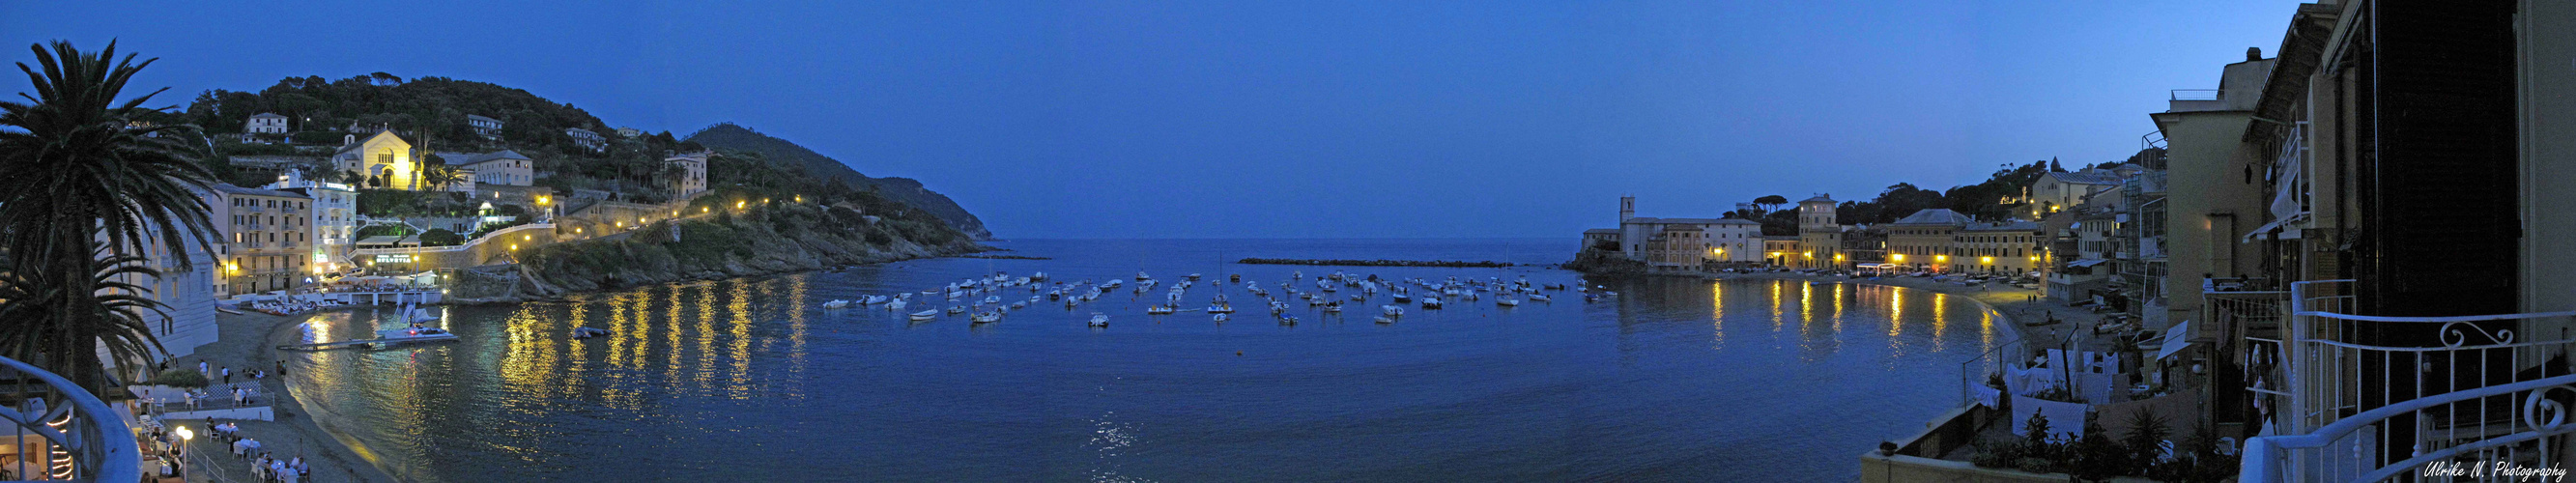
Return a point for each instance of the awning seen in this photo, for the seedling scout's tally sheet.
(2087, 262)
(2176, 338)
(2278, 224)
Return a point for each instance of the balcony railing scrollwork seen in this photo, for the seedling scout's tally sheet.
(2372, 398)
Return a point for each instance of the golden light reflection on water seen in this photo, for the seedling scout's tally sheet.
(1717, 315)
(706, 333)
(1895, 313)
(739, 328)
(1776, 306)
(1838, 307)
(1806, 303)
(671, 366)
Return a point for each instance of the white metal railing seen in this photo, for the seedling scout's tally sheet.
(2367, 398)
(82, 438)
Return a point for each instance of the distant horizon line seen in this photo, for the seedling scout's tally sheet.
(998, 239)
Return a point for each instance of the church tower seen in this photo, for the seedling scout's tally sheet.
(1627, 207)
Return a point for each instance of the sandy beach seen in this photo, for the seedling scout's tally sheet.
(250, 341)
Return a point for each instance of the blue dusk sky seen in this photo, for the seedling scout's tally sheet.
(1280, 119)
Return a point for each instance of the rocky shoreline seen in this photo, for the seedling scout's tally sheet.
(762, 241)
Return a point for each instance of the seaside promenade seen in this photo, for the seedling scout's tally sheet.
(247, 342)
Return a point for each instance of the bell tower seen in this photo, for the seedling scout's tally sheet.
(1627, 207)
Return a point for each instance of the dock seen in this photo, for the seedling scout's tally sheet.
(334, 345)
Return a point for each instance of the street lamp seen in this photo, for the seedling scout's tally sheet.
(184, 436)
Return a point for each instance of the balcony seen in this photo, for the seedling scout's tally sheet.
(2370, 398)
(88, 439)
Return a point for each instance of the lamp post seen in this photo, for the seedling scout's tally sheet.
(184, 436)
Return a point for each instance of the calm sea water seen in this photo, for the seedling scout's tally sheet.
(750, 379)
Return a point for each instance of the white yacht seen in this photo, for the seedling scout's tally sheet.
(414, 333)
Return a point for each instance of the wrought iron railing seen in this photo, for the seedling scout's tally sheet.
(77, 437)
(2369, 398)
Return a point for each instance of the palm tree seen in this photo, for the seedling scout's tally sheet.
(114, 319)
(78, 180)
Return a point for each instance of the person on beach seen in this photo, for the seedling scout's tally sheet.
(201, 368)
(228, 374)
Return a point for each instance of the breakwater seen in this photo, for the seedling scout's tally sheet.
(1373, 263)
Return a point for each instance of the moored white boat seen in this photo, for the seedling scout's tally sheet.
(413, 334)
(1099, 319)
(836, 304)
(925, 315)
(986, 317)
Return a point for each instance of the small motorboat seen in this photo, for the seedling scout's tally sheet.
(896, 305)
(1194, 276)
(1333, 308)
(956, 309)
(1385, 319)
(1401, 297)
(1141, 276)
(1507, 301)
(1159, 310)
(837, 304)
(992, 299)
(1038, 277)
(1430, 303)
(1537, 297)
(1391, 310)
(414, 333)
(925, 315)
(1099, 319)
(588, 332)
(1019, 305)
(986, 317)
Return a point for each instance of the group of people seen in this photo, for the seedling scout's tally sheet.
(264, 465)
(159, 445)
